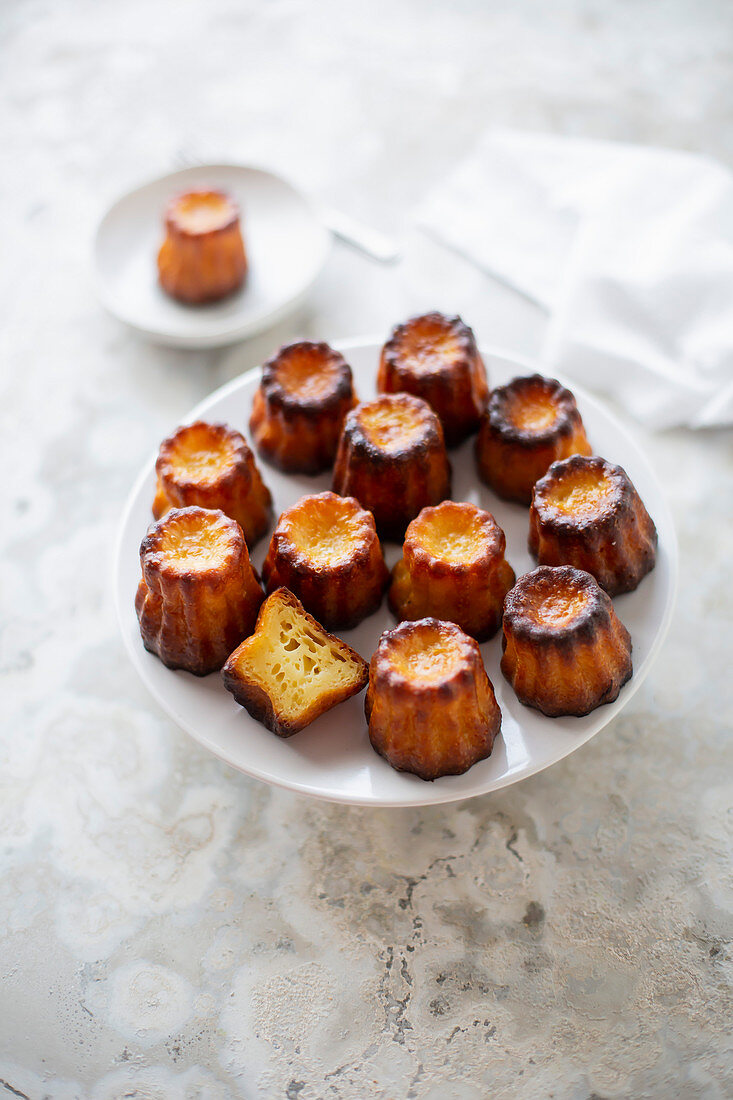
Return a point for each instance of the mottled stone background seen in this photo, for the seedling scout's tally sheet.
(171, 928)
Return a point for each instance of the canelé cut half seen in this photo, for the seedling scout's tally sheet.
(326, 551)
(392, 458)
(435, 357)
(453, 567)
(565, 650)
(586, 512)
(199, 595)
(430, 706)
(299, 407)
(210, 465)
(291, 671)
(529, 424)
(202, 258)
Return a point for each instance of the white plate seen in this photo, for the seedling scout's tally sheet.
(333, 759)
(286, 244)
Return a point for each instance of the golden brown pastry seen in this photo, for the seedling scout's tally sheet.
(586, 512)
(326, 551)
(202, 258)
(392, 458)
(435, 357)
(529, 424)
(211, 465)
(299, 407)
(291, 671)
(430, 706)
(199, 595)
(565, 650)
(453, 567)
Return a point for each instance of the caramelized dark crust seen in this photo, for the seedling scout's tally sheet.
(529, 424)
(326, 551)
(430, 706)
(392, 458)
(299, 407)
(613, 537)
(565, 652)
(202, 258)
(199, 595)
(453, 568)
(210, 465)
(436, 358)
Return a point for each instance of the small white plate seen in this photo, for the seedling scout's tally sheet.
(286, 244)
(333, 759)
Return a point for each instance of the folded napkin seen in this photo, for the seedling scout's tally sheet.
(630, 250)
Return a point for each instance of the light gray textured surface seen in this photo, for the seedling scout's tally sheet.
(174, 929)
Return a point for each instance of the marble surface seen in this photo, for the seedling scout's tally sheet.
(171, 928)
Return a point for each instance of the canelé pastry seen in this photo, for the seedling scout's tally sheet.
(392, 458)
(435, 357)
(202, 257)
(585, 512)
(528, 425)
(199, 595)
(291, 671)
(299, 407)
(326, 551)
(453, 567)
(212, 466)
(565, 650)
(430, 706)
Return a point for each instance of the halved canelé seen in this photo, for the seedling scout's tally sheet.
(326, 551)
(202, 258)
(565, 650)
(392, 458)
(210, 465)
(529, 424)
(435, 357)
(453, 568)
(199, 595)
(586, 512)
(299, 407)
(291, 671)
(430, 706)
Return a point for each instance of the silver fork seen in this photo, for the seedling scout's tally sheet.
(371, 242)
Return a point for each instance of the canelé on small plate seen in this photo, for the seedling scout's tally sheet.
(565, 650)
(202, 258)
(199, 595)
(392, 458)
(326, 551)
(211, 465)
(529, 424)
(453, 567)
(299, 407)
(291, 671)
(430, 706)
(435, 357)
(586, 512)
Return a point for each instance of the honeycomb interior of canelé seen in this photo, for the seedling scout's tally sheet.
(450, 533)
(426, 654)
(581, 492)
(196, 542)
(327, 531)
(308, 373)
(391, 425)
(201, 454)
(428, 343)
(557, 607)
(531, 408)
(294, 661)
(203, 211)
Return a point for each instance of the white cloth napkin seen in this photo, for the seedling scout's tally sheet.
(629, 248)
